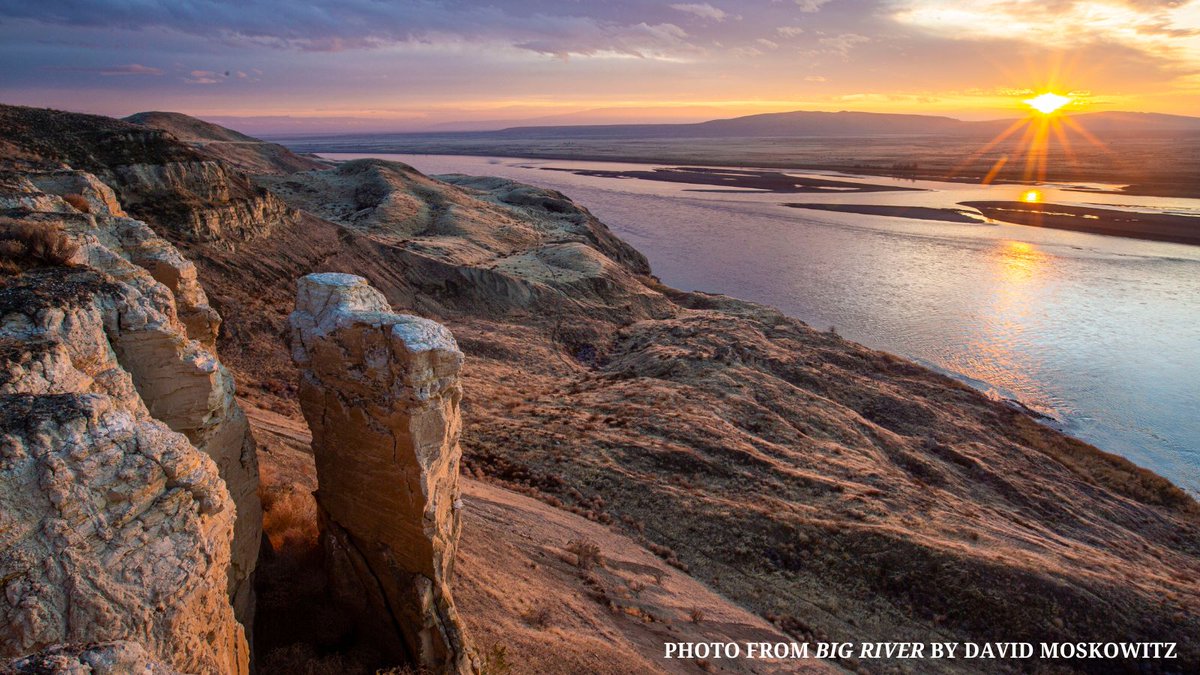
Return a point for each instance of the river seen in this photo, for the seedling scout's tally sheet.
(1100, 333)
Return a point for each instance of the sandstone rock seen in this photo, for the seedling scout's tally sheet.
(112, 526)
(98, 658)
(130, 329)
(100, 198)
(381, 395)
(155, 177)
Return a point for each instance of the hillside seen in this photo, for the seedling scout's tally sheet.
(247, 154)
(835, 491)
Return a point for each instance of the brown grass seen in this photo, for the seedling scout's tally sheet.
(290, 518)
(25, 246)
(1102, 468)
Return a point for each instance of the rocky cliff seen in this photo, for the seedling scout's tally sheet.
(837, 491)
(843, 492)
(184, 194)
(381, 395)
(130, 477)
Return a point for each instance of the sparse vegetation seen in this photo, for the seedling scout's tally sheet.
(696, 615)
(495, 660)
(539, 616)
(587, 553)
(26, 245)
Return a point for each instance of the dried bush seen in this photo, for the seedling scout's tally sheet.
(25, 246)
(538, 616)
(587, 553)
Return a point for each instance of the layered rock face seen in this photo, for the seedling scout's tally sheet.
(129, 497)
(381, 395)
(187, 195)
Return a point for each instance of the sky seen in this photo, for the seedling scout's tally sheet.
(374, 65)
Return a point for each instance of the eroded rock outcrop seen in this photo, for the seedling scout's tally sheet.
(185, 194)
(99, 658)
(129, 497)
(381, 395)
(113, 526)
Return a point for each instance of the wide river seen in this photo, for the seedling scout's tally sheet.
(1101, 333)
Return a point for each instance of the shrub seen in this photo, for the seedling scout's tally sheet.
(538, 616)
(495, 660)
(25, 246)
(587, 553)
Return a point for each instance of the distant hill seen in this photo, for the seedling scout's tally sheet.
(249, 154)
(803, 123)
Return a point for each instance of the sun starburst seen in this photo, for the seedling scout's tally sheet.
(1048, 103)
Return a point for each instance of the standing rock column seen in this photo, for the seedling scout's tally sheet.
(381, 395)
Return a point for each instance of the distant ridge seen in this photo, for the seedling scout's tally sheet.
(840, 124)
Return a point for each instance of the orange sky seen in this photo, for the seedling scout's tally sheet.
(410, 65)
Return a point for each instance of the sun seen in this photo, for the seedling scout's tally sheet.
(1047, 103)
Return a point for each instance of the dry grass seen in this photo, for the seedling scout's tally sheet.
(25, 246)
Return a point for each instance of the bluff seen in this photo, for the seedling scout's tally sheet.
(129, 492)
(243, 152)
(840, 492)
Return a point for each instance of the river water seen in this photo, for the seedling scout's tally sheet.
(1100, 333)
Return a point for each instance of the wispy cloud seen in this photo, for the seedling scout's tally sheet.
(811, 5)
(702, 10)
(108, 71)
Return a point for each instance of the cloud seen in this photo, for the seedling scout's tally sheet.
(811, 5)
(203, 77)
(586, 37)
(542, 26)
(702, 10)
(1158, 27)
(789, 31)
(815, 78)
(128, 69)
(842, 44)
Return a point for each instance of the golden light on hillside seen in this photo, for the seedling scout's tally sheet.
(1048, 103)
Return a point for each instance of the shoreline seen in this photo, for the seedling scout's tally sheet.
(1131, 187)
(1110, 222)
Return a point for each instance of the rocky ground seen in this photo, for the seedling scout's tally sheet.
(834, 491)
